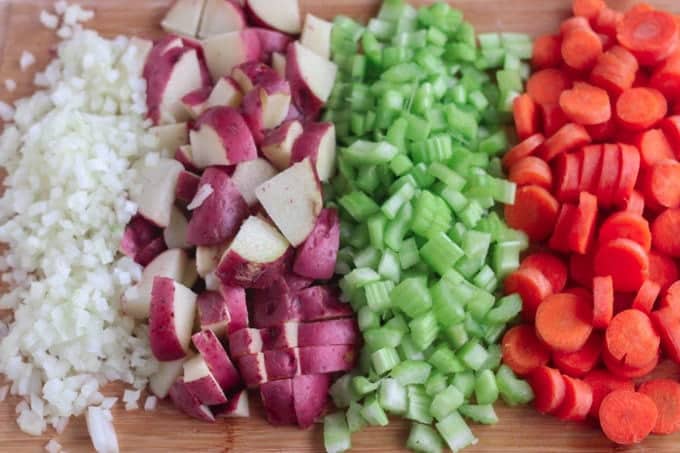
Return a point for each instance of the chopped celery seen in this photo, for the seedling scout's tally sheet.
(336, 434)
(411, 372)
(486, 390)
(373, 413)
(446, 402)
(465, 382)
(513, 390)
(424, 439)
(455, 432)
(480, 413)
(392, 396)
(419, 403)
(355, 421)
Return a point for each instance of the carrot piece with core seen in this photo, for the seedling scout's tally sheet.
(667, 324)
(654, 147)
(635, 203)
(666, 396)
(580, 48)
(522, 350)
(627, 417)
(615, 70)
(672, 297)
(525, 113)
(665, 237)
(603, 383)
(660, 184)
(579, 363)
(650, 35)
(553, 119)
(626, 261)
(551, 266)
(586, 104)
(631, 339)
(546, 53)
(567, 176)
(546, 85)
(570, 136)
(531, 171)
(629, 169)
(603, 301)
(662, 270)
(578, 398)
(609, 174)
(534, 212)
(582, 231)
(548, 386)
(587, 8)
(646, 296)
(525, 148)
(591, 167)
(628, 226)
(532, 286)
(560, 238)
(564, 322)
(640, 108)
(666, 77)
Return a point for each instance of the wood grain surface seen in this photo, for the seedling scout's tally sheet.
(166, 430)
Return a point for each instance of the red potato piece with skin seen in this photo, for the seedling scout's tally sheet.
(283, 336)
(225, 93)
(226, 51)
(220, 216)
(664, 232)
(200, 381)
(315, 258)
(187, 186)
(282, 363)
(283, 16)
(138, 233)
(549, 388)
(183, 17)
(279, 402)
(317, 142)
(151, 251)
(278, 144)
(175, 234)
(627, 417)
(235, 300)
(217, 360)
(330, 332)
(275, 305)
(237, 406)
(249, 175)
(549, 265)
(296, 282)
(272, 41)
(157, 195)
(221, 16)
(213, 313)
(188, 403)
(171, 319)
(579, 363)
(534, 212)
(578, 399)
(184, 156)
(252, 369)
(666, 396)
(245, 342)
(165, 376)
(532, 286)
(602, 384)
(309, 395)
(327, 359)
(311, 79)
(630, 338)
(195, 102)
(626, 261)
(318, 303)
(266, 107)
(254, 73)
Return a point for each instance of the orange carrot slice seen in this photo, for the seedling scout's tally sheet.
(665, 237)
(567, 176)
(532, 286)
(564, 322)
(579, 363)
(626, 261)
(646, 296)
(569, 137)
(525, 113)
(650, 35)
(660, 184)
(534, 212)
(603, 301)
(551, 266)
(546, 85)
(640, 108)
(603, 383)
(531, 171)
(525, 148)
(630, 338)
(548, 386)
(546, 53)
(522, 350)
(578, 398)
(627, 417)
(628, 226)
(666, 396)
(586, 104)
(654, 147)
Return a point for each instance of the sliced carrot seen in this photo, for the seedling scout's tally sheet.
(578, 398)
(627, 417)
(525, 114)
(662, 270)
(534, 212)
(581, 269)
(574, 23)
(548, 386)
(626, 261)
(564, 322)
(609, 175)
(587, 8)
(579, 363)
(617, 368)
(640, 7)
(650, 35)
(646, 296)
(524, 149)
(580, 48)
(560, 238)
(531, 171)
(614, 71)
(586, 104)
(553, 118)
(667, 324)
(665, 228)
(603, 383)
(567, 176)
(602, 132)
(635, 203)
(629, 169)
(547, 53)
(591, 163)
(672, 297)
(582, 231)
(660, 184)
(569, 137)
(532, 286)
(631, 339)
(546, 85)
(666, 396)
(623, 301)
(666, 77)
(654, 147)
(603, 301)
(626, 225)
(640, 108)
(551, 266)
(671, 127)
(607, 21)
(522, 350)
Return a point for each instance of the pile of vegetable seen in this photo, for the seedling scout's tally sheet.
(420, 111)
(598, 193)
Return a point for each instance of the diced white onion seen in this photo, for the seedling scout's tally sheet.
(102, 433)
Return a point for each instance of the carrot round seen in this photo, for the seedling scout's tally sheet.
(646, 296)
(583, 230)
(574, 23)
(627, 417)
(532, 286)
(635, 203)
(650, 35)
(563, 322)
(591, 167)
(660, 184)
(553, 118)
(525, 148)
(525, 115)
(629, 169)
(654, 147)
(551, 266)
(578, 363)
(531, 171)
(671, 127)
(522, 350)
(607, 21)
(570, 136)
(587, 8)
(628, 226)
(666, 77)
(567, 176)
(581, 269)
(640, 108)
(534, 212)
(602, 384)
(672, 297)
(546, 53)
(586, 104)
(578, 398)
(662, 270)
(546, 85)
(665, 228)
(609, 174)
(626, 261)
(666, 396)
(603, 301)
(580, 48)
(565, 220)
(615, 70)
(667, 324)
(622, 370)
(630, 338)
(548, 386)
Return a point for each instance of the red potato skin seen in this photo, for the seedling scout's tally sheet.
(234, 270)
(213, 310)
(316, 257)
(138, 233)
(274, 305)
(253, 371)
(282, 363)
(305, 100)
(220, 216)
(188, 403)
(253, 109)
(309, 395)
(235, 299)
(318, 303)
(197, 97)
(187, 186)
(219, 364)
(296, 282)
(230, 409)
(278, 136)
(307, 144)
(282, 336)
(245, 342)
(151, 251)
(256, 73)
(237, 140)
(164, 343)
(207, 390)
(327, 359)
(332, 332)
(198, 47)
(278, 402)
(185, 160)
(272, 41)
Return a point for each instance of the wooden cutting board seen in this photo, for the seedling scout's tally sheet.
(166, 430)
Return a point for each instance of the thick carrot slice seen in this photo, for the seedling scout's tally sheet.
(578, 398)
(567, 176)
(666, 395)
(646, 296)
(553, 119)
(607, 21)
(547, 53)
(666, 77)
(609, 174)
(660, 184)
(580, 48)
(672, 297)
(627, 417)
(586, 104)
(617, 368)
(626, 225)
(665, 228)
(570, 136)
(654, 147)
(603, 383)
(650, 35)
(548, 386)
(582, 232)
(560, 238)
(603, 301)
(615, 70)
(635, 203)
(532, 286)
(640, 108)
(522, 350)
(531, 171)
(564, 322)
(546, 85)
(574, 23)
(525, 114)
(591, 167)
(524, 149)
(629, 169)
(667, 324)
(549, 265)
(662, 270)
(671, 127)
(587, 8)
(626, 261)
(602, 132)
(630, 338)
(581, 269)
(534, 212)
(579, 363)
